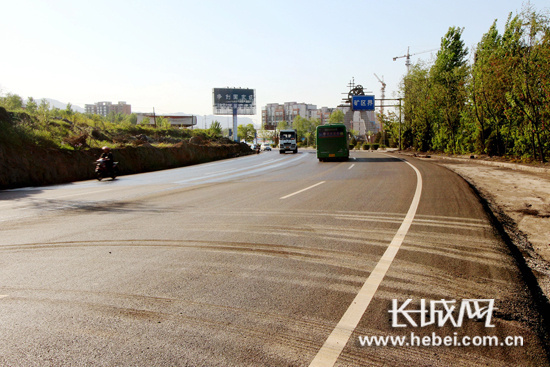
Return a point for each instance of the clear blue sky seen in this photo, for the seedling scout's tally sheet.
(169, 54)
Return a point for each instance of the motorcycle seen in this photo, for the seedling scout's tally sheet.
(102, 171)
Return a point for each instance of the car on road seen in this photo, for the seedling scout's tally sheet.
(266, 147)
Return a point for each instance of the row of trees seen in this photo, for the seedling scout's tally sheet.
(499, 104)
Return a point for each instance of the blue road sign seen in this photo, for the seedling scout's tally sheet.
(362, 103)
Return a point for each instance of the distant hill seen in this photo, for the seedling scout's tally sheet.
(54, 103)
(62, 105)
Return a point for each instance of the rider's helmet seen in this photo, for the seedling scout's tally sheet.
(106, 149)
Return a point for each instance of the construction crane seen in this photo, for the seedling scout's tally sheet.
(383, 92)
(408, 57)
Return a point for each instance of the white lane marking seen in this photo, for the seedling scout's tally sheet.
(350, 167)
(248, 171)
(337, 340)
(3, 296)
(302, 190)
(218, 173)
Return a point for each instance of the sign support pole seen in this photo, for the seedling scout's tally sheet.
(235, 136)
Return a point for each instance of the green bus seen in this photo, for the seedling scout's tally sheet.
(332, 142)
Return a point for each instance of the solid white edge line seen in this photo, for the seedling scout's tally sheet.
(307, 188)
(337, 340)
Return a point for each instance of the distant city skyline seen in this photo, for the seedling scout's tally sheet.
(168, 54)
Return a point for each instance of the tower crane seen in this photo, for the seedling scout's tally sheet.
(408, 57)
(383, 90)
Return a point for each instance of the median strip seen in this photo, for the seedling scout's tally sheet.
(307, 188)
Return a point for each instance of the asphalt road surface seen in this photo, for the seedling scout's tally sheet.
(264, 260)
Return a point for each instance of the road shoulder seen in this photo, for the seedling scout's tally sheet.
(518, 198)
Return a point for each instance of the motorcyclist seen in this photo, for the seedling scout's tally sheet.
(107, 156)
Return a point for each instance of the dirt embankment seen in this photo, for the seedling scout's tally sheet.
(35, 166)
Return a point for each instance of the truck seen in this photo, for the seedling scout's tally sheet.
(287, 141)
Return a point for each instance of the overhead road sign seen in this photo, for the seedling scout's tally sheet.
(362, 103)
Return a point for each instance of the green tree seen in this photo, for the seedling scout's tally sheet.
(215, 128)
(43, 110)
(500, 105)
(529, 95)
(163, 123)
(336, 117)
(390, 134)
(487, 91)
(421, 110)
(11, 102)
(449, 74)
(69, 110)
(131, 119)
(305, 129)
(117, 118)
(145, 122)
(266, 134)
(246, 133)
(31, 105)
(282, 125)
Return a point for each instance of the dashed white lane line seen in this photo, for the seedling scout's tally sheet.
(337, 340)
(3, 296)
(350, 167)
(300, 191)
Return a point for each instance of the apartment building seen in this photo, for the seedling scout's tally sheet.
(273, 113)
(363, 122)
(323, 114)
(104, 108)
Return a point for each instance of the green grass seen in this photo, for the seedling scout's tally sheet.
(58, 129)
